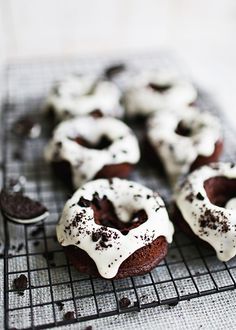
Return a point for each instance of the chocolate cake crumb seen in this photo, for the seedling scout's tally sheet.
(19, 247)
(20, 284)
(97, 113)
(214, 221)
(69, 316)
(84, 202)
(159, 88)
(173, 304)
(17, 155)
(200, 197)
(89, 327)
(37, 231)
(96, 236)
(96, 200)
(60, 305)
(59, 144)
(25, 126)
(190, 197)
(49, 256)
(124, 302)
(113, 70)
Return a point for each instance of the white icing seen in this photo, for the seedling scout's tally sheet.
(127, 197)
(80, 95)
(179, 152)
(231, 204)
(86, 163)
(143, 100)
(223, 242)
(28, 221)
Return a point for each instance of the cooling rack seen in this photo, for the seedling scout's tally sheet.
(54, 287)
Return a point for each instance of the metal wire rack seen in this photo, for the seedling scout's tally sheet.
(54, 287)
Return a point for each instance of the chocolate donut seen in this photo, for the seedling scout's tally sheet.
(85, 148)
(115, 228)
(181, 142)
(151, 92)
(206, 207)
(79, 95)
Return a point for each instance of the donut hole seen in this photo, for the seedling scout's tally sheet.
(159, 87)
(103, 143)
(105, 215)
(183, 129)
(220, 190)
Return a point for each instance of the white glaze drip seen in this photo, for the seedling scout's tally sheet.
(222, 237)
(143, 100)
(127, 197)
(80, 95)
(86, 163)
(178, 152)
(231, 204)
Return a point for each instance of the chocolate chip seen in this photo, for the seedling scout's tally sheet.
(69, 316)
(20, 284)
(84, 202)
(200, 197)
(124, 302)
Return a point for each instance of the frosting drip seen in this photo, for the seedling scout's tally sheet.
(87, 162)
(200, 132)
(77, 224)
(154, 91)
(214, 224)
(80, 95)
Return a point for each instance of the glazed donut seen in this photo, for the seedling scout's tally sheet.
(154, 91)
(206, 207)
(80, 95)
(85, 148)
(184, 141)
(115, 228)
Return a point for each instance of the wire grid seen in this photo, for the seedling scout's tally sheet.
(188, 271)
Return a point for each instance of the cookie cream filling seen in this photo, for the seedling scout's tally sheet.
(178, 150)
(86, 163)
(80, 95)
(153, 91)
(214, 224)
(77, 223)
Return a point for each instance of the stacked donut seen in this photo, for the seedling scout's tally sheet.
(113, 227)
